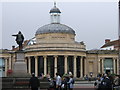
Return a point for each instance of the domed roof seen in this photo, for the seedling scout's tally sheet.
(55, 10)
(55, 28)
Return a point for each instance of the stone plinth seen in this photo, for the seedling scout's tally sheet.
(20, 67)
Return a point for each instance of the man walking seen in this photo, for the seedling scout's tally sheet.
(34, 82)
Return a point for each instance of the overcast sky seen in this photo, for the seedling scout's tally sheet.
(93, 22)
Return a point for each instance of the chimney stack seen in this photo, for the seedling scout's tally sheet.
(107, 41)
(13, 47)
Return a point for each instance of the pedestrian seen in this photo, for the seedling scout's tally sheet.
(58, 82)
(119, 79)
(106, 83)
(97, 83)
(71, 82)
(48, 77)
(64, 84)
(116, 81)
(86, 77)
(34, 83)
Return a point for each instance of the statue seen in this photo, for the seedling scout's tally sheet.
(19, 39)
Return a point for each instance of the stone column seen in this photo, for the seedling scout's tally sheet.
(75, 66)
(85, 65)
(117, 66)
(55, 67)
(81, 66)
(29, 65)
(6, 66)
(13, 62)
(99, 65)
(36, 66)
(25, 60)
(10, 63)
(65, 64)
(45, 65)
(114, 66)
(102, 65)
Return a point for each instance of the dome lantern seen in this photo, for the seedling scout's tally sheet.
(55, 14)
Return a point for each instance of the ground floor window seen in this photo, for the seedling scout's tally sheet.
(108, 65)
(2, 67)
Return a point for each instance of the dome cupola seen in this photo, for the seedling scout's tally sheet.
(55, 14)
(55, 32)
(55, 9)
(55, 28)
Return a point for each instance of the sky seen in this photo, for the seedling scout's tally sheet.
(92, 20)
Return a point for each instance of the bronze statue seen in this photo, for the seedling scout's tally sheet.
(19, 39)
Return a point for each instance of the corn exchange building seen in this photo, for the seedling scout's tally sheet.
(54, 49)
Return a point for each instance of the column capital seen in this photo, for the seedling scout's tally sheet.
(28, 57)
(75, 56)
(55, 56)
(101, 58)
(6, 58)
(81, 57)
(65, 55)
(98, 60)
(35, 56)
(114, 58)
(45, 56)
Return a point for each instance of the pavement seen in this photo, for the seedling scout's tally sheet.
(84, 85)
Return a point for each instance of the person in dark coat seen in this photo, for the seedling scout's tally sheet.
(34, 82)
(64, 84)
(106, 84)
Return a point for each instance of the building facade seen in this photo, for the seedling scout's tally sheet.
(54, 49)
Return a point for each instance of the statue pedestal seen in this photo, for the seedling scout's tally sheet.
(20, 67)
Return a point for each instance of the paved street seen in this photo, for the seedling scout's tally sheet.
(84, 85)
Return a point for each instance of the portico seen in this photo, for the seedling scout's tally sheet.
(56, 63)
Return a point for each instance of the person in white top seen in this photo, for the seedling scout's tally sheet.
(58, 82)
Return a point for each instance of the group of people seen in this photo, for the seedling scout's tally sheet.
(107, 82)
(62, 83)
(57, 83)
